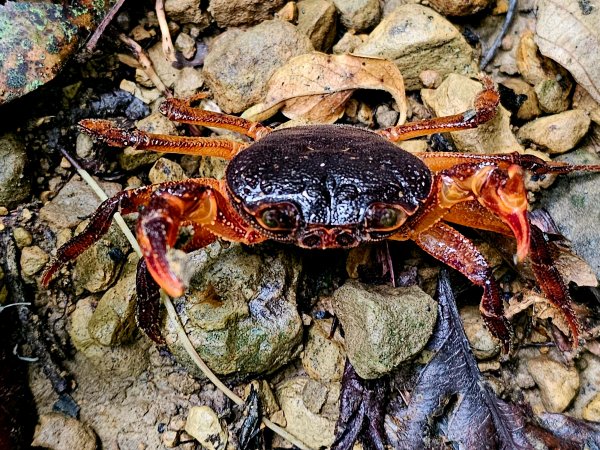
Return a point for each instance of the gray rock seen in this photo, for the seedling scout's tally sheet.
(459, 7)
(187, 11)
(573, 203)
(33, 259)
(233, 13)
(74, 201)
(383, 326)
(323, 358)
(14, 185)
(240, 63)
(316, 19)
(358, 15)
(416, 38)
(558, 384)
(241, 313)
(347, 43)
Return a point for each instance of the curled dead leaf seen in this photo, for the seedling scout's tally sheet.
(315, 86)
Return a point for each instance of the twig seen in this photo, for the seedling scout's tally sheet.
(146, 64)
(92, 41)
(489, 55)
(167, 43)
(181, 333)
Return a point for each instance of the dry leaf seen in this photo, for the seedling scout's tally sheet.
(315, 86)
(569, 33)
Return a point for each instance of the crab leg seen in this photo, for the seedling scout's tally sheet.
(486, 103)
(452, 248)
(181, 111)
(106, 131)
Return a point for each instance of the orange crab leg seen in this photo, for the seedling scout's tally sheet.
(474, 215)
(452, 248)
(486, 103)
(106, 131)
(181, 111)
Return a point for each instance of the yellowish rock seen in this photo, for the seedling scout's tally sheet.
(591, 411)
(558, 384)
(557, 133)
(205, 426)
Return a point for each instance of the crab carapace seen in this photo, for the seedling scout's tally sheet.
(331, 186)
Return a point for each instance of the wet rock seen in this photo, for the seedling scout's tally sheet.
(455, 95)
(316, 19)
(347, 44)
(314, 429)
(558, 384)
(530, 109)
(23, 238)
(204, 425)
(113, 321)
(14, 185)
(241, 313)
(33, 259)
(323, 358)
(59, 432)
(123, 360)
(165, 170)
(240, 63)
(383, 326)
(570, 201)
(97, 268)
(458, 7)
(187, 11)
(358, 15)
(591, 411)
(417, 38)
(73, 202)
(483, 344)
(557, 133)
(233, 13)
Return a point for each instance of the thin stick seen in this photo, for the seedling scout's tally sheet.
(92, 41)
(181, 333)
(489, 55)
(167, 42)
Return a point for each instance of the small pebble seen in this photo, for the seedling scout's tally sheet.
(23, 238)
(557, 133)
(358, 15)
(558, 384)
(204, 425)
(33, 259)
(59, 432)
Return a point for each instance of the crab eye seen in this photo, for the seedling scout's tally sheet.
(280, 217)
(381, 217)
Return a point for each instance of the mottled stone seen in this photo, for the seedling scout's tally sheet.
(59, 432)
(558, 384)
(165, 170)
(557, 133)
(204, 425)
(15, 186)
(323, 358)
(483, 344)
(33, 259)
(358, 15)
(316, 19)
(233, 13)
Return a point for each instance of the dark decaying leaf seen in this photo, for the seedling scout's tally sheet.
(362, 411)
(147, 307)
(36, 38)
(249, 437)
(450, 398)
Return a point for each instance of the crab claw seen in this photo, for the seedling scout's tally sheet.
(504, 193)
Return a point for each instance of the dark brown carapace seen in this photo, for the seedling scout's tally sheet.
(332, 186)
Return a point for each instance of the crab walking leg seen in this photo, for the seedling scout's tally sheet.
(147, 306)
(486, 103)
(201, 201)
(452, 248)
(106, 131)
(180, 111)
(552, 283)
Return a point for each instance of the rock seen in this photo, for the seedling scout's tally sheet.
(570, 201)
(530, 109)
(186, 45)
(591, 411)
(187, 11)
(268, 402)
(552, 97)
(113, 321)
(74, 201)
(323, 359)
(189, 81)
(59, 432)
(240, 63)
(241, 313)
(456, 95)
(165, 170)
(458, 7)
(14, 185)
(584, 101)
(483, 344)
(358, 15)
(204, 425)
(23, 237)
(316, 19)
(170, 438)
(558, 384)
(289, 12)
(98, 267)
(383, 326)
(315, 430)
(123, 360)
(386, 116)
(84, 146)
(347, 44)
(147, 96)
(557, 133)
(416, 38)
(233, 13)
(33, 259)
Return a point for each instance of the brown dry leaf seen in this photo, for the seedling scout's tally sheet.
(315, 86)
(542, 310)
(569, 33)
(575, 269)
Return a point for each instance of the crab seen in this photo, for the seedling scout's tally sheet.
(331, 186)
